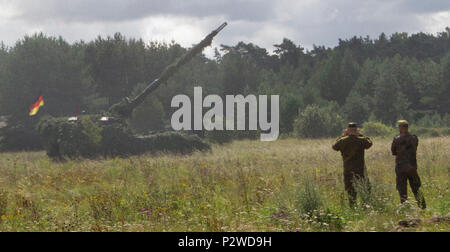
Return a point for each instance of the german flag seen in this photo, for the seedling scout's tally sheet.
(35, 107)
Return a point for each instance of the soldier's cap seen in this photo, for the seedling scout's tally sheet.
(403, 123)
(352, 125)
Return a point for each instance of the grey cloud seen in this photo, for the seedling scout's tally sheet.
(119, 10)
(421, 6)
(263, 22)
(325, 22)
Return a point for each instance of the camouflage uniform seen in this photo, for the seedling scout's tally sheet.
(404, 147)
(352, 149)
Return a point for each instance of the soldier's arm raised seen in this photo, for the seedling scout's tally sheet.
(368, 143)
(337, 144)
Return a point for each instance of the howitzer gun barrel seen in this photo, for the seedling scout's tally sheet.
(125, 108)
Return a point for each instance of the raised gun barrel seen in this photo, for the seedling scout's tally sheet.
(125, 108)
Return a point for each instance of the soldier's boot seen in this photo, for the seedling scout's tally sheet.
(420, 198)
(415, 187)
(403, 198)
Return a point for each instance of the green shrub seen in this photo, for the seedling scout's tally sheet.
(419, 131)
(372, 194)
(377, 129)
(428, 132)
(434, 133)
(446, 132)
(317, 122)
(308, 197)
(220, 137)
(364, 189)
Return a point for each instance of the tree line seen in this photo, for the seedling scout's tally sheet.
(361, 79)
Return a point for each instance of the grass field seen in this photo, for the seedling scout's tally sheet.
(290, 185)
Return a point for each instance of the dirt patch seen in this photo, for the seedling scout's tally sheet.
(413, 223)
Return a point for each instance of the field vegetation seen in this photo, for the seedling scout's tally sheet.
(289, 185)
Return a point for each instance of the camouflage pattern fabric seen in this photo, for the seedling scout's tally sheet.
(404, 147)
(353, 149)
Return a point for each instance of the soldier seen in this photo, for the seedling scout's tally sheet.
(352, 146)
(404, 147)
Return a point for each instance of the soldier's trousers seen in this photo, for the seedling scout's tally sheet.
(414, 181)
(353, 179)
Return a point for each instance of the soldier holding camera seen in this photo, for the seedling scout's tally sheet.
(352, 146)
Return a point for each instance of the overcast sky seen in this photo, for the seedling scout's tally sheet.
(263, 22)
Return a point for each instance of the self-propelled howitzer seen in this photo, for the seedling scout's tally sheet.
(108, 135)
(125, 108)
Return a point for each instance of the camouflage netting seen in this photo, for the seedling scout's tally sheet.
(88, 139)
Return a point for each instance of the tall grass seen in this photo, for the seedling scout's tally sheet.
(290, 185)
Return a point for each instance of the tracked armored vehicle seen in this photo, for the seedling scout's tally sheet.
(108, 135)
